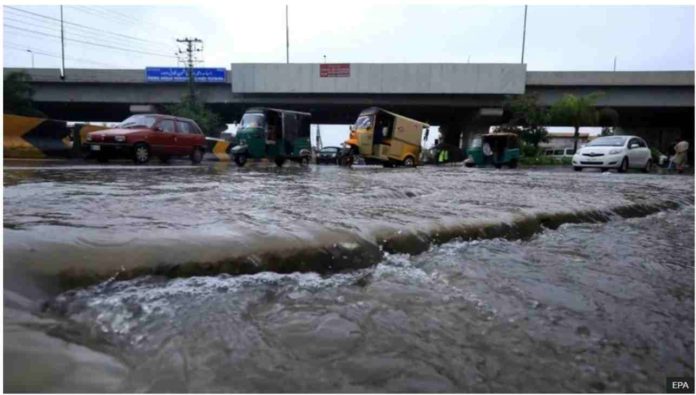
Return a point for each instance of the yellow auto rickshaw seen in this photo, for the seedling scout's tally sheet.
(383, 137)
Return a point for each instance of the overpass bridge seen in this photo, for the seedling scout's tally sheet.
(460, 98)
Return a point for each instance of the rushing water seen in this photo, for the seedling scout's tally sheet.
(590, 306)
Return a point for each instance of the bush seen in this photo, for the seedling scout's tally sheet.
(18, 95)
(655, 154)
(545, 161)
(209, 121)
(530, 151)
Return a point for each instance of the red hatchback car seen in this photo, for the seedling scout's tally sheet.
(142, 136)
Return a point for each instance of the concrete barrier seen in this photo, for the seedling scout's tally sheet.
(28, 137)
(217, 150)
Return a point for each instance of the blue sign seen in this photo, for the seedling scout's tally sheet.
(180, 74)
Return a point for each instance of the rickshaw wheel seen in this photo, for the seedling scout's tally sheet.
(347, 161)
(304, 161)
(240, 160)
(279, 160)
(409, 162)
(513, 164)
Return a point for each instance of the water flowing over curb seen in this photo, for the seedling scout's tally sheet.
(360, 253)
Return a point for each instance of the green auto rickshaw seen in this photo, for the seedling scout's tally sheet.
(495, 149)
(275, 134)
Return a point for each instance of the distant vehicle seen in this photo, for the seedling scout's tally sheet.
(328, 155)
(387, 138)
(618, 152)
(559, 152)
(275, 134)
(145, 135)
(496, 149)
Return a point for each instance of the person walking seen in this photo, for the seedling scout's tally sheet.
(680, 151)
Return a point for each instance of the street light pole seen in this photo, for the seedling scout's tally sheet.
(62, 46)
(524, 32)
(32, 57)
(614, 63)
(287, 36)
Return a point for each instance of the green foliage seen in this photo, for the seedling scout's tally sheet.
(527, 118)
(18, 94)
(655, 153)
(529, 151)
(576, 111)
(209, 121)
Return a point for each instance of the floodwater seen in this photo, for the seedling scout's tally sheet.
(436, 279)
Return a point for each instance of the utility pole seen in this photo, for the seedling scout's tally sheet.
(189, 54)
(524, 32)
(32, 57)
(62, 46)
(614, 63)
(287, 36)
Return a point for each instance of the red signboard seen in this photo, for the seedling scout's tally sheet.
(334, 70)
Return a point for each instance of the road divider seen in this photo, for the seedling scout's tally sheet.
(31, 137)
(217, 150)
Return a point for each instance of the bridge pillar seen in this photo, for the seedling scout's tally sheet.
(461, 130)
(480, 123)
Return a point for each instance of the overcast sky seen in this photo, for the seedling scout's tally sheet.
(558, 37)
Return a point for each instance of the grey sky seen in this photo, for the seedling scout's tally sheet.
(558, 37)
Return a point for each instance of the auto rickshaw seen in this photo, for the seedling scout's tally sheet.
(496, 149)
(383, 137)
(275, 134)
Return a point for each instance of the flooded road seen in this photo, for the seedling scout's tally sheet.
(431, 279)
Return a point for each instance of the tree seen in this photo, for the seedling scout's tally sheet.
(209, 121)
(18, 94)
(575, 111)
(527, 118)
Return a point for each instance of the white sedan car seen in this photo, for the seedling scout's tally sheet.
(614, 152)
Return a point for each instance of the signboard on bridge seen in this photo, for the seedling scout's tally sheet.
(180, 74)
(334, 70)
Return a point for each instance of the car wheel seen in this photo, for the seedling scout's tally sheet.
(497, 165)
(240, 159)
(624, 165)
(576, 168)
(648, 166)
(164, 158)
(304, 161)
(409, 162)
(279, 161)
(604, 169)
(197, 155)
(513, 164)
(141, 153)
